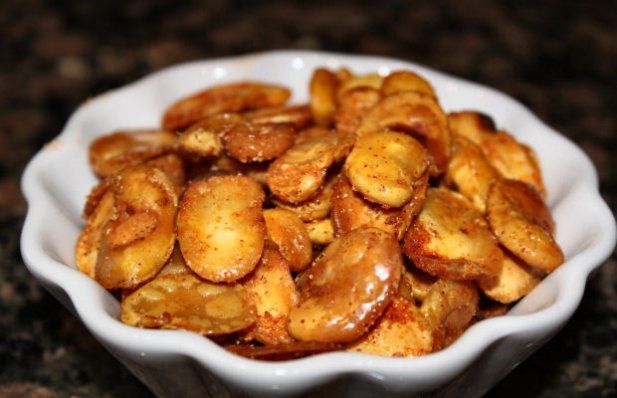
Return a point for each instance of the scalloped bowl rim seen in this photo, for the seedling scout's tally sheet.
(87, 297)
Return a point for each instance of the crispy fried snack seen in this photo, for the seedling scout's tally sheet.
(385, 166)
(221, 228)
(297, 116)
(451, 239)
(184, 301)
(258, 142)
(403, 80)
(449, 308)
(347, 288)
(235, 97)
(352, 106)
(323, 88)
(523, 224)
(515, 280)
(350, 210)
(470, 173)
(320, 232)
(298, 173)
(113, 152)
(402, 331)
(417, 114)
(203, 139)
(139, 237)
(288, 233)
(274, 294)
(315, 208)
(88, 243)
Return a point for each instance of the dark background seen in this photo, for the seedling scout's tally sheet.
(559, 58)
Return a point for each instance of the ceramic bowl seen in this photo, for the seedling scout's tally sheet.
(180, 363)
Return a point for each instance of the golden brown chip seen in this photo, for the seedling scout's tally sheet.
(353, 106)
(513, 159)
(274, 294)
(415, 284)
(173, 167)
(322, 88)
(350, 211)
(315, 208)
(288, 233)
(176, 264)
(385, 165)
(298, 173)
(257, 143)
(472, 125)
(451, 239)
(187, 302)
(470, 173)
(523, 224)
(370, 80)
(297, 116)
(403, 80)
(417, 114)
(320, 232)
(449, 308)
(203, 139)
(221, 228)
(113, 152)
(234, 97)
(347, 288)
(401, 332)
(515, 280)
(139, 238)
(87, 248)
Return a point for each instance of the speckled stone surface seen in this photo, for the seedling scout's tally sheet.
(559, 58)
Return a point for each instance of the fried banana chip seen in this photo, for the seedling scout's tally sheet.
(523, 224)
(384, 167)
(288, 233)
(203, 139)
(471, 125)
(139, 238)
(87, 248)
(470, 173)
(449, 308)
(234, 97)
(187, 302)
(320, 232)
(274, 294)
(298, 173)
(113, 152)
(347, 288)
(451, 239)
(323, 88)
(417, 114)
(513, 160)
(221, 229)
(173, 167)
(404, 80)
(515, 280)
(352, 106)
(297, 116)
(258, 142)
(401, 332)
(315, 208)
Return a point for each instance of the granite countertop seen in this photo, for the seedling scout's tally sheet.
(559, 58)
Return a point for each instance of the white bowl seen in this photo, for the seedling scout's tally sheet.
(177, 363)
